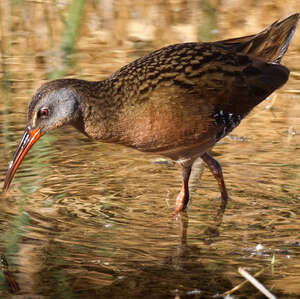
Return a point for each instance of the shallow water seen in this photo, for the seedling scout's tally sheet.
(92, 220)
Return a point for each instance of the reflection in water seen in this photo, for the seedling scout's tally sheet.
(97, 262)
(90, 220)
(164, 279)
(9, 277)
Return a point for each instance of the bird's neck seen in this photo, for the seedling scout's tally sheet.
(100, 105)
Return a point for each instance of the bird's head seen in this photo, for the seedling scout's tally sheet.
(51, 107)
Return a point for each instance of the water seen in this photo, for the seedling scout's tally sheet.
(91, 220)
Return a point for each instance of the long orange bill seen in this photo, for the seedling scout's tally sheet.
(30, 137)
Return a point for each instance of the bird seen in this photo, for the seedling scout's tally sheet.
(178, 101)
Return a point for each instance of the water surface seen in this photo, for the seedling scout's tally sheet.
(90, 220)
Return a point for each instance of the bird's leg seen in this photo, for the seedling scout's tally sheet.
(184, 196)
(216, 170)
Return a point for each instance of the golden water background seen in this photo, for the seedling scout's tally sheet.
(91, 220)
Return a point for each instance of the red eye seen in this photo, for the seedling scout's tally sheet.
(43, 112)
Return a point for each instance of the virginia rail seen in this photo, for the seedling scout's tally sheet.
(177, 101)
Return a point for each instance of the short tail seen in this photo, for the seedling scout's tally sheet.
(269, 45)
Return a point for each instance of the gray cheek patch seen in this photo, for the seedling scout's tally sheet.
(62, 104)
(65, 95)
(67, 101)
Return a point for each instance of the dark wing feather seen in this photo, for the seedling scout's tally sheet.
(269, 45)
